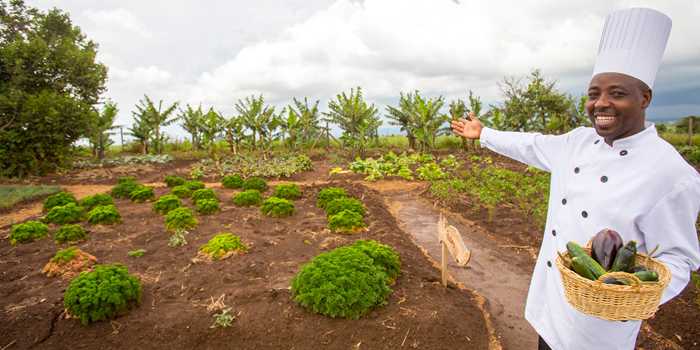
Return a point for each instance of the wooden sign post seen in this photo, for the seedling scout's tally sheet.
(451, 240)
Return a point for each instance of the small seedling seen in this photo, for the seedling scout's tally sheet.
(177, 239)
(136, 253)
(223, 319)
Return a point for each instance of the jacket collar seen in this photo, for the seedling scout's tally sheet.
(637, 139)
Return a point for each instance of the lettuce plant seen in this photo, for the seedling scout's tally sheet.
(27, 232)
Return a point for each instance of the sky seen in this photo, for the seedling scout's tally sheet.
(216, 52)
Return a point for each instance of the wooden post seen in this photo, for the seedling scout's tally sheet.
(443, 264)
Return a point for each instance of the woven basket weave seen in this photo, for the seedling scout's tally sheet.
(638, 301)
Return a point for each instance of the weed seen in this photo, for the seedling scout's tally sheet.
(136, 253)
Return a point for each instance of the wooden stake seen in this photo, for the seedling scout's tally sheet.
(444, 263)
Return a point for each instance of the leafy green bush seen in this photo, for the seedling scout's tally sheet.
(207, 206)
(124, 187)
(345, 203)
(221, 244)
(430, 172)
(104, 214)
(328, 194)
(65, 214)
(142, 193)
(194, 185)
(181, 191)
(58, 199)
(247, 198)
(348, 281)
(180, 218)
(70, 233)
(277, 207)
(27, 232)
(345, 221)
(255, 183)
(173, 180)
(166, 203)
(204, 193)
(232, 181)
(288, 191)
(103, 293)
(90, 202)
(64, 255)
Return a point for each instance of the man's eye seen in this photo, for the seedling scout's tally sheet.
(618, 94)
(592, 96)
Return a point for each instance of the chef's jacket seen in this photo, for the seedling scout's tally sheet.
(640, 187)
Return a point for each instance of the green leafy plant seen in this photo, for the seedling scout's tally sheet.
(430, 172)
(277, 207)
(136, 253)
(166, 203)
(181, 191)
(347, 281)
(194, 185)
(328, 194)
(346, 221)
(103, 293)
(224, 319)
(180, 218)
(247, 198)
(142, 194)
(255, 183)
(70, 233)
(104, 214)
(27, 232)
(345, 203)
(287, 191)
(204, 193)
(221, 244)
(65, 214)
(197, 173)
(64, 255)
(174, 180)
(124, 187)
(58, 199)
(90, 202)
(207, 206)
(232, 181)
(177, 239)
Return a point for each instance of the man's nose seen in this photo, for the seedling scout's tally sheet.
(602, 101)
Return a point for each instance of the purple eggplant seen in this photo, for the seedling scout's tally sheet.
(604, 247)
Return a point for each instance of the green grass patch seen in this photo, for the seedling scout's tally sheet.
(11, 195)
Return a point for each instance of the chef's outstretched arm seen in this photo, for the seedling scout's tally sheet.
(535, 149)
(670, 224)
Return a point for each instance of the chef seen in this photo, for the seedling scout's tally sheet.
(619, 174)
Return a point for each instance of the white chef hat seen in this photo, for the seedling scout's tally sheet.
(633, 43)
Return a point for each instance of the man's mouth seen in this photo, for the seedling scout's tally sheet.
(604, 120)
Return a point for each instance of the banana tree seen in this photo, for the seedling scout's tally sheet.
(212, 124)
(235, 132)
(358, 120)
(250, 110)
(401, 116)
(156, 118)
(100, 126)
(191, 120)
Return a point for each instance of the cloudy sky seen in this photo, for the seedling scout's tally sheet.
(218, 51)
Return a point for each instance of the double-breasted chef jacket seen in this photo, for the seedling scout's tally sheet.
(640, 187)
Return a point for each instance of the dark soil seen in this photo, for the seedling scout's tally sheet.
(173, 314)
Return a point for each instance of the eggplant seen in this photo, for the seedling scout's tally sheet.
(604, 247)
(624, 261)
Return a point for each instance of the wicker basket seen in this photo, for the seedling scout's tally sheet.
(637, 301)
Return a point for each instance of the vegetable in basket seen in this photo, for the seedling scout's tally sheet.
(604, 247)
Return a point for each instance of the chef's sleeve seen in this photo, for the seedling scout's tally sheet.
(534, 149)
(670, 224)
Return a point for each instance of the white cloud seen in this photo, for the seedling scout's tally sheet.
(116, 19)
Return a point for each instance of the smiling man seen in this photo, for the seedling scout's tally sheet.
(619, 174)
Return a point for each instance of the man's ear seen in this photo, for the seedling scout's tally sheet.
(646, 98)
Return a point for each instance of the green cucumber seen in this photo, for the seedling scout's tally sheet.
(647, 276)
(580, 268)
(613, 280)
(624, 260)
(575, 250)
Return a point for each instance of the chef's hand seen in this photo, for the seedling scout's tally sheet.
(469, 128)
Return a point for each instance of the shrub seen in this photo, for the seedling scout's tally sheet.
(90, 202)
(288, 191)
(64, 255)
(345, 203)
(181, 191)
(194, 185)
(103, 293)
(346, 282)
(27, 232)
(166, 203)
(124, 187)
(180, 218)
(65, 214)
(104, 214)
(173, 180)
(207, 206)
(58, 199)
(204, 193)
(255, 183)
(221, 244)
(232, 181)
(383, 255)
(247, 198)
(328, 194)
(430, 172)
(277, 207)
(142, 194)
(345, 222)
(70, 233)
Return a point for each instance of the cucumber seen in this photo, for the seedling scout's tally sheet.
(593, 266)
(624, 261)
(613, 280)
(647, 276)
(638, 268)
(580, 268)
(575, 250)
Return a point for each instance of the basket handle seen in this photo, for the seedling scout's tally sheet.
(632, 279)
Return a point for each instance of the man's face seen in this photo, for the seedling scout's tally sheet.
(616, 104)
